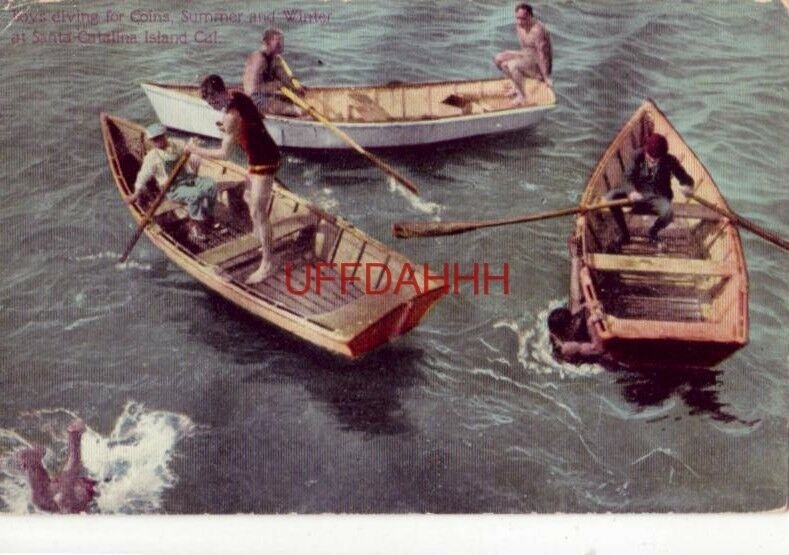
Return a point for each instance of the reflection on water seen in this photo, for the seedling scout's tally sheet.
(698, 387)
(363, 394)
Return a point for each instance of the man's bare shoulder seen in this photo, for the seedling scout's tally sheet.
(254, 58)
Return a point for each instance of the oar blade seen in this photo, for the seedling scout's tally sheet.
(408, 230)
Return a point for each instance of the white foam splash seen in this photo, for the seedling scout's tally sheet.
(416, 202)
(131, 464)
(14, 492)
(535, 352)
(98, 256)
(109, 255)
(326, 199)
(133, 265)
(78, 323)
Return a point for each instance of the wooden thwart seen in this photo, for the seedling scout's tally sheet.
(705, 331)
(229, 250)
(168, 206)
(248, 242)
(694, 211)
(654, 264)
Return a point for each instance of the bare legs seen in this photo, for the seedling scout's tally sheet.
(70, 492)
(269, 103)
(258, 197)
(517, 66)
(279, 107)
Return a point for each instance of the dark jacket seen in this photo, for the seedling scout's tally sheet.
(658, 181)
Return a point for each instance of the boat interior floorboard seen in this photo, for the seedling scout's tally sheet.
(289, 288)
(214, 235)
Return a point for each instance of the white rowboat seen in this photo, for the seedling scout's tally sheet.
(392, 115)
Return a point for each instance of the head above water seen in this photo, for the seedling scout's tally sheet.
(656, 146)
(560, 322)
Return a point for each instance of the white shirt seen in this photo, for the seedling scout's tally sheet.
(153, 164)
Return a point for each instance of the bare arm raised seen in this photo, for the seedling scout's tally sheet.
(230, 125)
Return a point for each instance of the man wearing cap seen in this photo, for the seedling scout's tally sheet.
(198, 193)
(265, 72)
(651, 177)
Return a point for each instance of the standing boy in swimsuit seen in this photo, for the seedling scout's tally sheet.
(533, 60)
(242, 124)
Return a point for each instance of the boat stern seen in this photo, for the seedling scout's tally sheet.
(395, 323)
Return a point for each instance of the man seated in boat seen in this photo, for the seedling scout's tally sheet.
(242, 124)
(651, 178)
(265, 72)
(572, 328)
(198, 193)
(534, 60)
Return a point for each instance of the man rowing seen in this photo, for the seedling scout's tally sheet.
(265, 72)
(242, 124)
(651, 182)
(534, 60)
(198, 193)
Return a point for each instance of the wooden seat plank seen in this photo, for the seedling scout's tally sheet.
(694, 211)
(654, 264)
(248, 242)
(229, 250)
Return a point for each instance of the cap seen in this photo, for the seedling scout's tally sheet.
(155, 130)
(656, 145)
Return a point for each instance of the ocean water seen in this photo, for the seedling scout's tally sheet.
(195, 407)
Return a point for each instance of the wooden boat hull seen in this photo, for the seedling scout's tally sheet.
(375, 117)
(345, 320)
(683, 306)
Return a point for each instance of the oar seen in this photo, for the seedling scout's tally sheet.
(406, 230)
(152, 210)
(345, 137)
(742, 222)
